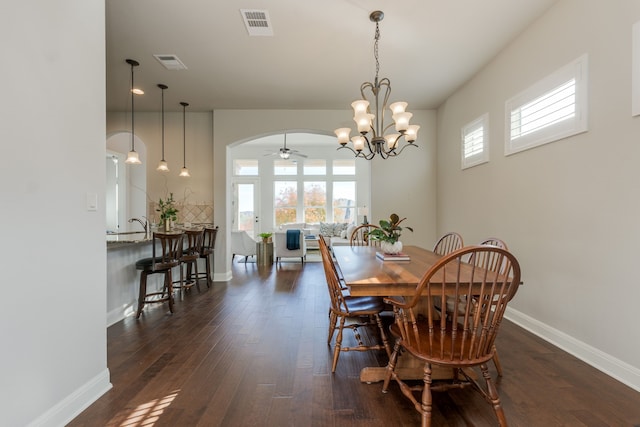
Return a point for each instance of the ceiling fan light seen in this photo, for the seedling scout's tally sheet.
(284, 155)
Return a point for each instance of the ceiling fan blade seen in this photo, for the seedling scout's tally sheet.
(294, 153)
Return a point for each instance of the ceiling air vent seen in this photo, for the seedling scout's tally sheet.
(170, 62)
(257, 22)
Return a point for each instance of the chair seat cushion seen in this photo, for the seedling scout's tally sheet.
(364, 305)
(147, 264)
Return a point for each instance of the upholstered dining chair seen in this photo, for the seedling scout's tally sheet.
(360, 236)
(345, 307)
(448, 243)
(242, 244)
(466, 338)
(162, 260)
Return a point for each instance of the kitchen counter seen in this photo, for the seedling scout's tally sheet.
(120, 239)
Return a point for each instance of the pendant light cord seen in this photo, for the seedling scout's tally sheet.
(133, 143)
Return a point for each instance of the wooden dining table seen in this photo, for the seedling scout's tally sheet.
(365, 274)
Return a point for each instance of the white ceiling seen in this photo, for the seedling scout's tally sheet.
(320, 53)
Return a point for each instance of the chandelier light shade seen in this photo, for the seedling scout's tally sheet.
(132, 156)
(162, 166)
(184, 172)
(374, 137)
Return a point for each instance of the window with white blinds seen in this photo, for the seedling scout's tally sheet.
(552, 109)
(475, 142)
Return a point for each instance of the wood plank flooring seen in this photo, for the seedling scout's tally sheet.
(253, 352)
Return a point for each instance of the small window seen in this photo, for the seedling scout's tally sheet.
(285, 167)
(344, 167)
(245, 167)
(552, 109)
(315, 167)
(475, 142)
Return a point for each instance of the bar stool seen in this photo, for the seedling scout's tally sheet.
(190, 256)
(206, 253)
(170, 252)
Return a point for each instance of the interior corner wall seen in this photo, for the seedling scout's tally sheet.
(400, 180)
(569, 209)
(52, 322)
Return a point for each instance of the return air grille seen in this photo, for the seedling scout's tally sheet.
(170, 62)
(257, 22)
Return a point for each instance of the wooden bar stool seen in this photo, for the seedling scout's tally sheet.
(190, 255)
(206, 253)
(163, 262)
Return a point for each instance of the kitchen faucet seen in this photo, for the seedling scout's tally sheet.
(144, 224)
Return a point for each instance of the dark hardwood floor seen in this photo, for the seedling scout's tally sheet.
(253, 352)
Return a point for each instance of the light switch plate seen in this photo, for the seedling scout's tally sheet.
(92, 202)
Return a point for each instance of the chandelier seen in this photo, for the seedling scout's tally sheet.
(373, 138)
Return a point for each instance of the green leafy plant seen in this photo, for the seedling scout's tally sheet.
(389, 231)
(265, 236)
(167, 209)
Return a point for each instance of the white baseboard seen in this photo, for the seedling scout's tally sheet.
(116, 315)
(222, 277)
(615, 368)
(70, 407)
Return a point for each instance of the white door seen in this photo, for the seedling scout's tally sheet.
(246, 206)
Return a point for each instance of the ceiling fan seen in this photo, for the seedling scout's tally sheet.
(285, 152)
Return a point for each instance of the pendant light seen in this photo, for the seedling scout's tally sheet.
(132, 156)
(184, 171)
(162, 166)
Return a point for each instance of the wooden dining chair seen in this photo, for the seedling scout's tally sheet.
(360, 236)
(345, 307)
(448, 243)
(493, 241)
(466, 338)
(162, 260)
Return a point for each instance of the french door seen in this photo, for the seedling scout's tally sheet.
(246, 205)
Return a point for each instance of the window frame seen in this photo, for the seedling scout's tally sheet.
(576, 69)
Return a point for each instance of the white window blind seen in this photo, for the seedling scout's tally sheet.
(552, 109)
(475, 149)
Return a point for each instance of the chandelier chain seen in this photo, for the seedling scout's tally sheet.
(375, 50)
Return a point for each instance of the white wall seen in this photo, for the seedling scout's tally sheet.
(53, 256)
(398, 184)
(568, 210)
(199, 153)
(406, 185)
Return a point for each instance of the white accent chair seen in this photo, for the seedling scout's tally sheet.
(280, 247)
(242, 244)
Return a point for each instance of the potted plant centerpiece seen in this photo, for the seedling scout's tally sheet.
(389, 234)
(168, 212)
(266, 237)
